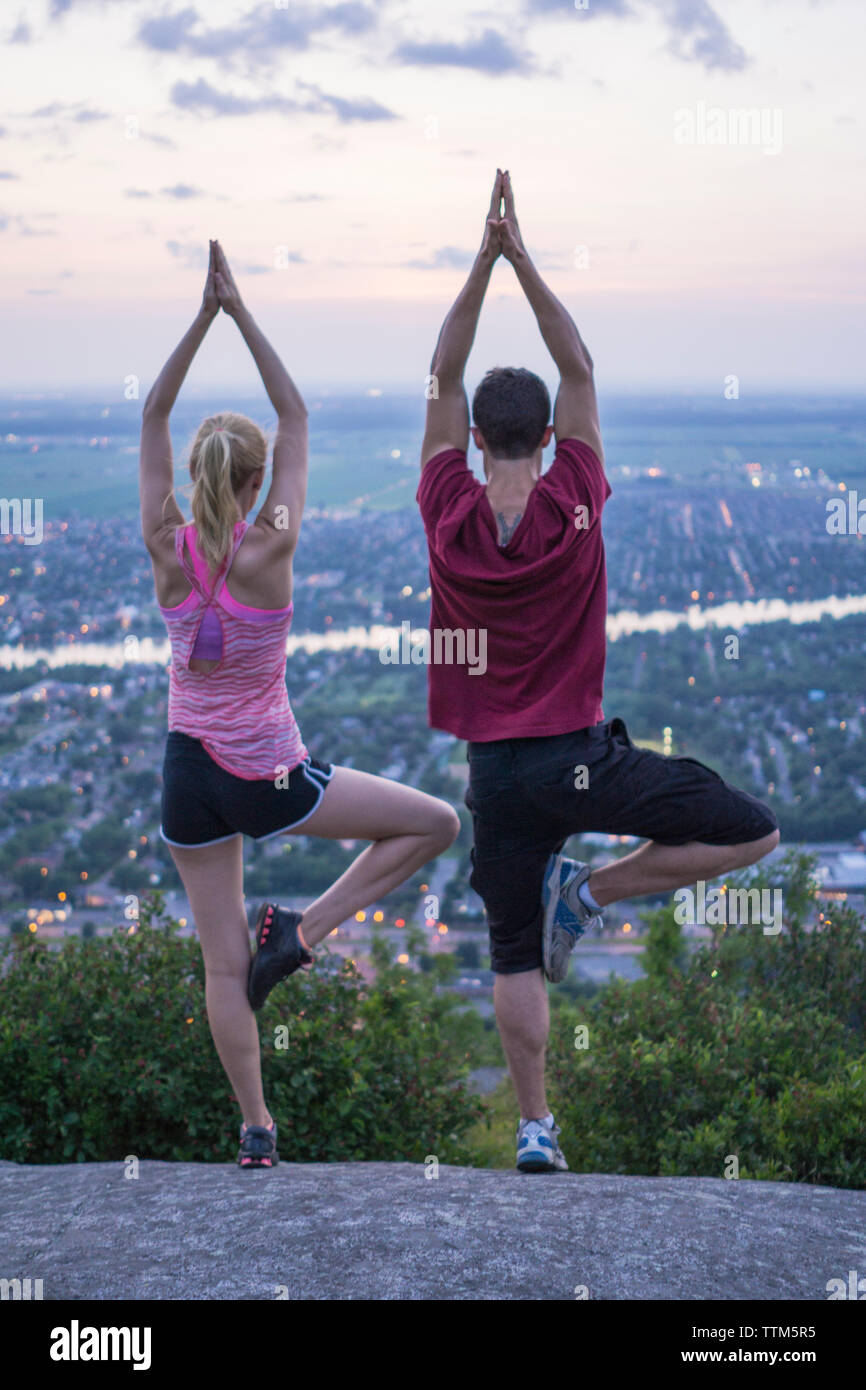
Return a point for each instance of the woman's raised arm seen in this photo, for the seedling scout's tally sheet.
(283, 507)
(159, 510)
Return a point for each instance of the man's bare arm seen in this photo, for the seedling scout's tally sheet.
(575, 414)
(447, 424)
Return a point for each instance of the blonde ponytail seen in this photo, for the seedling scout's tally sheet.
(227, 450)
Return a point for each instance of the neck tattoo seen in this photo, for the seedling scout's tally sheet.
(507, 528)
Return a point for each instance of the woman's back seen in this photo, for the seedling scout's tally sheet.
(227, 682)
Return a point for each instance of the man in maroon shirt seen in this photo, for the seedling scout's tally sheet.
(518, 576)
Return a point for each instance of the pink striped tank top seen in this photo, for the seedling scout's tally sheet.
(240, 710)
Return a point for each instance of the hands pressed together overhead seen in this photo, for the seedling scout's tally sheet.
(502, 234)
(220, 291)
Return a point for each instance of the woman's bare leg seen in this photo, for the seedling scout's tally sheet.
(213, 879)
(408, 828)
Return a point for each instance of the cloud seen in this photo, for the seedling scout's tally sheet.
(70, 111)
(489, 52)
(347, 108)
(699, 35)
(21, 33)
(194, 255)
(696, 33)
(446, 258)
(6, 174)
(182, 190)
(200, 96)
(205, 99)
(253, 267)
(596, 9)
(261, 31)
(189, 253)
(161, 140)
(15, 222)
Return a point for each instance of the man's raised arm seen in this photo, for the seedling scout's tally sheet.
(575, 414)
(447, 424)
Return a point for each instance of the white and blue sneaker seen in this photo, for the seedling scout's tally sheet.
(566, 918)
(538, 1148)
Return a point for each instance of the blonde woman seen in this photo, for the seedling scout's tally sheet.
(235, 762)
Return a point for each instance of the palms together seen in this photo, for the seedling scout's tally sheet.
(502, 234)
(220, 290)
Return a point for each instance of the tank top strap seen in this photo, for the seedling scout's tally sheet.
(244, 525)
(180, 535)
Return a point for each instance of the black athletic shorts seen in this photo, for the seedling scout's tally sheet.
(202, 803)
(527, 795)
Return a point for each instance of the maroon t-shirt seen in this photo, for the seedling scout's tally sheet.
(530, 614)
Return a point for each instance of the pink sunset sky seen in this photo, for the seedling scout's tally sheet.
(689, 175)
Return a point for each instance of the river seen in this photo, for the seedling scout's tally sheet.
(732, 617)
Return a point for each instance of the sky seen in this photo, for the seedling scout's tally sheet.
(343, 153)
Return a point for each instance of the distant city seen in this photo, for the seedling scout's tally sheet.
(737, 618)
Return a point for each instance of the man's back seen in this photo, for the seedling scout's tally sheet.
(534, 607)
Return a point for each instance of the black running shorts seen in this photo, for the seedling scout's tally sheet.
(527, 795)
(202, 803)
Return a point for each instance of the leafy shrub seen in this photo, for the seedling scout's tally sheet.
(105, 1051)
(754, 1049)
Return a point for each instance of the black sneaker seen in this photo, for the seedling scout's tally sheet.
(258, 1146)
(279, 952)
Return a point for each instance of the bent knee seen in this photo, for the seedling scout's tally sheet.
(445, 826)
(756, 849)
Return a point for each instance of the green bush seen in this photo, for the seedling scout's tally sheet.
(105, 1051)
(753, 1049)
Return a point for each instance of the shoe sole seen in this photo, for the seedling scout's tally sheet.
(254, 1001)
(554, 876)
